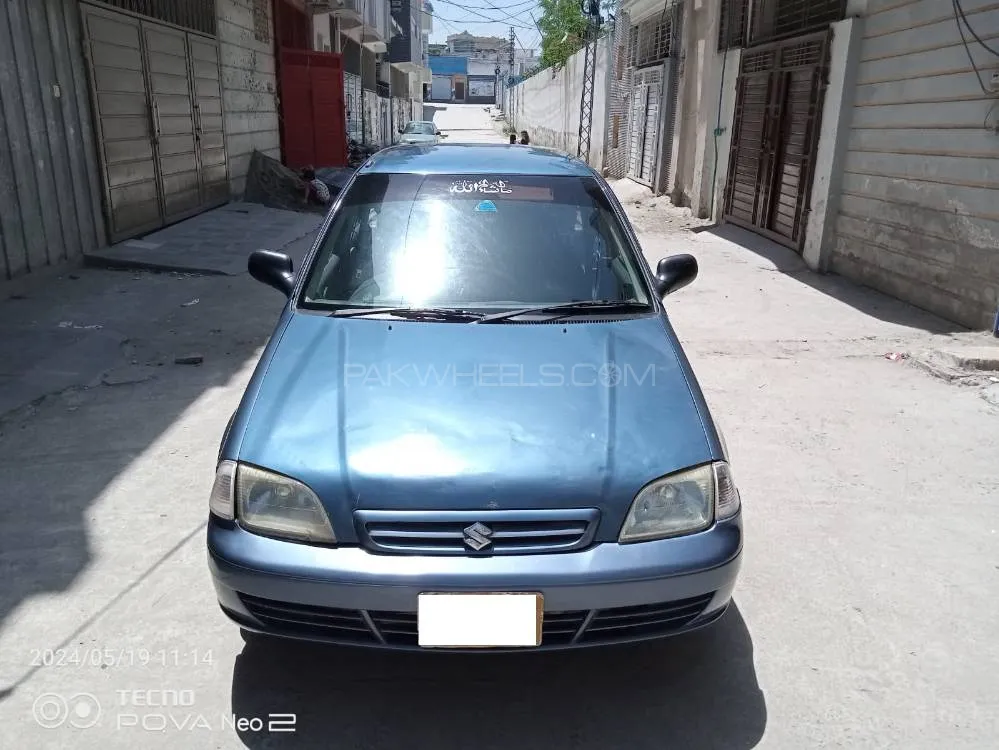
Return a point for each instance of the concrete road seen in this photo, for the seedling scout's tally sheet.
(866, 614)
(465, 123)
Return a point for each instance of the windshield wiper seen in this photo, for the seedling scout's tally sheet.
(411, 313)
(565, 309)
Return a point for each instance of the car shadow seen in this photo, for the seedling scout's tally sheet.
(698, 690)
(863, 298)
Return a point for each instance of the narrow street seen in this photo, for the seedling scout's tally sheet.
(866, 615)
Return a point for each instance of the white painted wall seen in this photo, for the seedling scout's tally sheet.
(484, 67)
(708, 81)
(833, 134)
(249, 89)
(918, 213)
(547, 106)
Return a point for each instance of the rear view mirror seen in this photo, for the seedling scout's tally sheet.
(274, 269)
(674, 273)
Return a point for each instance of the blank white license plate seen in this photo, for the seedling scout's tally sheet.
(480, 620)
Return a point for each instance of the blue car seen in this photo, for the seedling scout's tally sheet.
(473, 426)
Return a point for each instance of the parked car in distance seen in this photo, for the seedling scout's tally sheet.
(420, 132)
(473, 426)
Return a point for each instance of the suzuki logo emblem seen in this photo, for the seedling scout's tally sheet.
(477, 536)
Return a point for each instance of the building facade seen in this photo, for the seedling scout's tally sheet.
(119, 117)
(384, 65)
(464, 44)
(449, 78)
(116, 123)
(862, 134)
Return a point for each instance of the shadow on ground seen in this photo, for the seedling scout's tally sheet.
(697, 691)
(58, 456)
(866, 300)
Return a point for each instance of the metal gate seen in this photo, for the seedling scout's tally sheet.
(440, 89)
(778, 112)
(646, 94)
(158, 111)
(352, 98)
(313, 111)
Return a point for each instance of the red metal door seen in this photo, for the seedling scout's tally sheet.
(312, 109)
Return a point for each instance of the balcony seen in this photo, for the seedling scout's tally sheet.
(406, 46)
(348, 11)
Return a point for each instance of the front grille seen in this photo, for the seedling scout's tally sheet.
(647, 620)
(343, 625)
(399, 629)
(483, 533)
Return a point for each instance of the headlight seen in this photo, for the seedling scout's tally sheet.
(269, 503)
(682, 503)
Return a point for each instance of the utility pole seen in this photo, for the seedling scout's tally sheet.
(591, 11)
(513, 41)
(509, 75)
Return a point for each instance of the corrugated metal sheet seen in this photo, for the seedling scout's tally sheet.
(50, 206)
(919, 202)
(617, 138)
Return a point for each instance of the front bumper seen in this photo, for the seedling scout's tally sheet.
(608, 593)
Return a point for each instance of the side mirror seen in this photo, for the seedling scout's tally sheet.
(401, 128)
(274, 269)
(674, 273)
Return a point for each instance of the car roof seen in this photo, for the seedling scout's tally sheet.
(474, 158)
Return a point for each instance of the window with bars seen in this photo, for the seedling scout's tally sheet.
(650, 41)
(198, 15)
(732, 31)
(780, 19)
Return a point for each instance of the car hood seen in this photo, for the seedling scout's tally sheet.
(418, 139)
(389, 414)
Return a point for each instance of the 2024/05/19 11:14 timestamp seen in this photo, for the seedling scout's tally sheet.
(120, 657)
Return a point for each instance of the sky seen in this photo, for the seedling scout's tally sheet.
(486, 18)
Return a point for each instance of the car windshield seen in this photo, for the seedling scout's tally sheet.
(420, 128)
(470, 242)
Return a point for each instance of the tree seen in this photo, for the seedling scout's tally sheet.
(563, 31)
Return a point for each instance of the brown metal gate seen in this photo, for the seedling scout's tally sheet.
(778, 112)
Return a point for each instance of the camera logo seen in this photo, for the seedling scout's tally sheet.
(80, 710)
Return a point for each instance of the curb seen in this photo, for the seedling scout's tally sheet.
(96, 260)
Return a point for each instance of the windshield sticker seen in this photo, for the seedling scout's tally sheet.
(482, 186)
(487, 206)
(475, 189)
